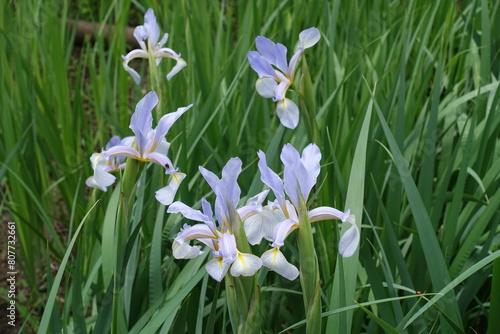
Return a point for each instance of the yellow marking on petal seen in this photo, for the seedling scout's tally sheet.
(242, 259)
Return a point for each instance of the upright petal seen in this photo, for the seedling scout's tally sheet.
(281, 61)
(260, 65)
(211, 178)
(166, 194)
(141, 34)
(288, 113)
(271, 179)
(217, 268)
(311, 156)
(166, 122)
(163, 40)
(142, 119)
(309, 37)
(152, 27)
(228, 184)
(267, 48)
(350, 239)
(295, 175)
(293, 62)
(275, 260)
(245, 265)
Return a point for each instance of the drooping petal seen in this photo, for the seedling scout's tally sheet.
(309, 37)
(152, 27)
(350, 239)
(271, 179)
(142, 119)
(267, 48)
(197, 231)
(260, 65)
(181, 63)
(266, 87)
(282, 230)
(245, 265)
(133, 73)
(326, 213)
(122, 151)
(288, 113)
(262, 225)
(311, 156)
(227, 248)
(91, 182)
(217, 268)
(185, 251)
(166, 194)
(275, 260)
(188, 212)
(161, 160)
(166, 122)
(101, 178)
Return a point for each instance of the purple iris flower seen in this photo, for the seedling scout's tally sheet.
(103, 167)
(221, 239)
(299, 178)
(150, 32)
(276, 75)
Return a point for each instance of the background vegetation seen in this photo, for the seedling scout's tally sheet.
(422, 76)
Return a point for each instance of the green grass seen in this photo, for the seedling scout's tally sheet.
(406, 98)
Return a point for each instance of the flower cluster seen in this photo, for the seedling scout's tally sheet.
(273, 222)
(148, 144)
(275, 81)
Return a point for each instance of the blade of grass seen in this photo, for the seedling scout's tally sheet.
(354, 201)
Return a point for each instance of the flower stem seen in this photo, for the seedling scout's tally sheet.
(309, 272)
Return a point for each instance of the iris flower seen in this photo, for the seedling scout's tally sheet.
(147, 35)
(299, 178)
(220, 239)
(150, 144)
(274, 81)
(103, 167)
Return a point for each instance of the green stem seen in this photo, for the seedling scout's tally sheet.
(309, 272)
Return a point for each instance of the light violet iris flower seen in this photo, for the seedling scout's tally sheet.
(221, 239)
(299, 178)
(150, 32)
(150, 144)
(103, 167)
(274, 81)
